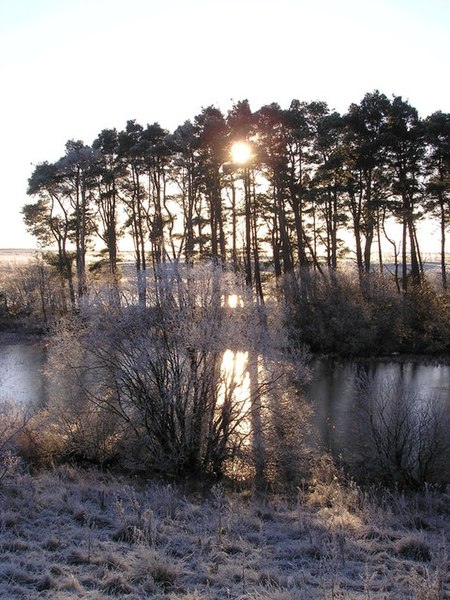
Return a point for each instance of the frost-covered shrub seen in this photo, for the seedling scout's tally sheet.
(426, 320)
(332, 315)
(185, 385)
(31, 293)
(339, 312)
(13, 421)
(402, 438)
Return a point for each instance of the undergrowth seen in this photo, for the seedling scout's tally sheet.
(68, 533)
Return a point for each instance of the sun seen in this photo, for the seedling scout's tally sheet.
(241, 152)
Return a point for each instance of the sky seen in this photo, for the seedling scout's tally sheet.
(70, 68)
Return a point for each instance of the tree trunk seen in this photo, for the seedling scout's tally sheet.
(443, 242)
(248, 234)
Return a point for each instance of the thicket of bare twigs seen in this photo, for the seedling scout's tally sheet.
(400, 437)
(185, 386)
(341, 313)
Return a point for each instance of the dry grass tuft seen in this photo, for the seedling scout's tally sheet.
(413, 547)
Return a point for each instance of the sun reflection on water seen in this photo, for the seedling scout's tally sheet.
(234, 300)
(235, 386)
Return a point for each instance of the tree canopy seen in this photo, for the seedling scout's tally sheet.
(317, 186)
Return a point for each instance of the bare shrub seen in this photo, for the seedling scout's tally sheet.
(402, 437)
(13, 421)
(333, 315)
(287, 427)
(148, 385)
(67, 430)
(349, 313)
(426, 320)
(31, 292)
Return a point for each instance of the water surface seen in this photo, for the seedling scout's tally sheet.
(22, 360)
(334, 384)
(331, 390)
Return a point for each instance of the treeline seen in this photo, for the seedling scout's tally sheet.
(312, 175)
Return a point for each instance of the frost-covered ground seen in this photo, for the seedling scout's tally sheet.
(72, 534)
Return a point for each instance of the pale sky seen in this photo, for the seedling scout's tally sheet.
(70, 68)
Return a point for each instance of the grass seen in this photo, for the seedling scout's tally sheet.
(75, 534)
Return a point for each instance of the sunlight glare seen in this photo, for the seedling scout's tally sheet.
(241, 153)
(234, 300)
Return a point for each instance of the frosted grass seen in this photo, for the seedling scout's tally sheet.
(74, 534)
